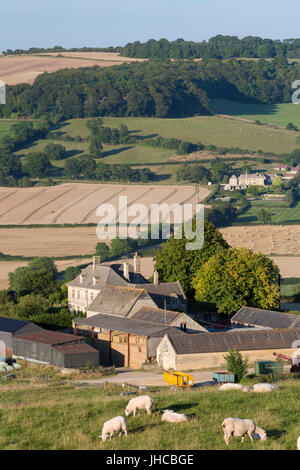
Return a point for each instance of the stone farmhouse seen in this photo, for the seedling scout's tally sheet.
(127, 316)
(244, 181)
(121, 287)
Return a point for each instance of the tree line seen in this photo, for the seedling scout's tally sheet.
(219, 47)
(154, 89)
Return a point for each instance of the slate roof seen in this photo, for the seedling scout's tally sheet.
(128, 325)
(166, 289)
(242, 340)
(115, 300)
(265, 318)
(156, 315)
(10, 325)
(49, 337)
(103, 274)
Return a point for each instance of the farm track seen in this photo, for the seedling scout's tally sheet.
(183, 202)
(21, 203)
(160, 202)
(28, 217)
(8, 195)
(131, 204)
(54, 221)
(103, 202)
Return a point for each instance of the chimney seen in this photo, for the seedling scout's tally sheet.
(96, 261)
(126, 271)
(136, 263)
(155, 276)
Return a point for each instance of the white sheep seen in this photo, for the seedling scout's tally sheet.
(114, 424)
(172, 417)
(139, 403)
(259, 388)
(240, 427)
(230, 386)
(298, 443)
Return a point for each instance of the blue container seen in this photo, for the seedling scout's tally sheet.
(223, 377)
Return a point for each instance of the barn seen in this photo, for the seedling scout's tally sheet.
(207, 350)
(52, 347)
(9, 328)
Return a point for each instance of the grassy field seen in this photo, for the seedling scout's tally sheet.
(5, 126)
(280, 213)
(209, 130)
(55, 416)
(280, 114)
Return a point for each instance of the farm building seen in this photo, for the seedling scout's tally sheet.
(84, 290)
(207, 350)
(124, 341)
(9, 328)
(259, 318)
(246, 180)
(51, 347)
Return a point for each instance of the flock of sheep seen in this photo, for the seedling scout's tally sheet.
(231, 426)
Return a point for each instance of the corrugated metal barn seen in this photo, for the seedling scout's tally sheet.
(10, 327)
(51, 347)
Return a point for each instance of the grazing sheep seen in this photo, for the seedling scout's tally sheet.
(230, 386)
(240, 427)
(172, 417)
(247, 389)
(264, 388)
(139, 403)
(114, 424)
(298, 443)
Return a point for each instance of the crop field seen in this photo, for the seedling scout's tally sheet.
(55, 417)
(7, 267)
(268, 239)
(279, 114)
(76, 203)
(25, 68)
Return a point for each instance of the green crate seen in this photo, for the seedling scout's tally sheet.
(267, 367)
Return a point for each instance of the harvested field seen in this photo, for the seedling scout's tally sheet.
(289, 266)
(268, 239)
(76, 203)
(25, 68)
(7, 267)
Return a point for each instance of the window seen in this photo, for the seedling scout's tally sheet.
(166, 348)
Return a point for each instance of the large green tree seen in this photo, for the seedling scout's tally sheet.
(174, 262)
(236, 277)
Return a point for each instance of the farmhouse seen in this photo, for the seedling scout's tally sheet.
(244, 181)
(207, 350)
(259, 318)
(85, 291)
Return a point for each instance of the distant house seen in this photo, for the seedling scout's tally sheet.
(281, 167)
(259, 318)
(207, 350)
(246, 180)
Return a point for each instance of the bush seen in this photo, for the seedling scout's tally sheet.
(236, 364)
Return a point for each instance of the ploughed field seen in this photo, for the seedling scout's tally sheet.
(76, 203)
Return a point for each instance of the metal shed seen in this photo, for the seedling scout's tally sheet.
(10, 327)
(51, 347)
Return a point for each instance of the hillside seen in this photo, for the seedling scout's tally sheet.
(55, 417)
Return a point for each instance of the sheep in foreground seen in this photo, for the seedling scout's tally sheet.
(240, 427)
(260, 388)
(139, 403)
(230, 386)
(114, 424)
(172, 417)
(298, 443)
